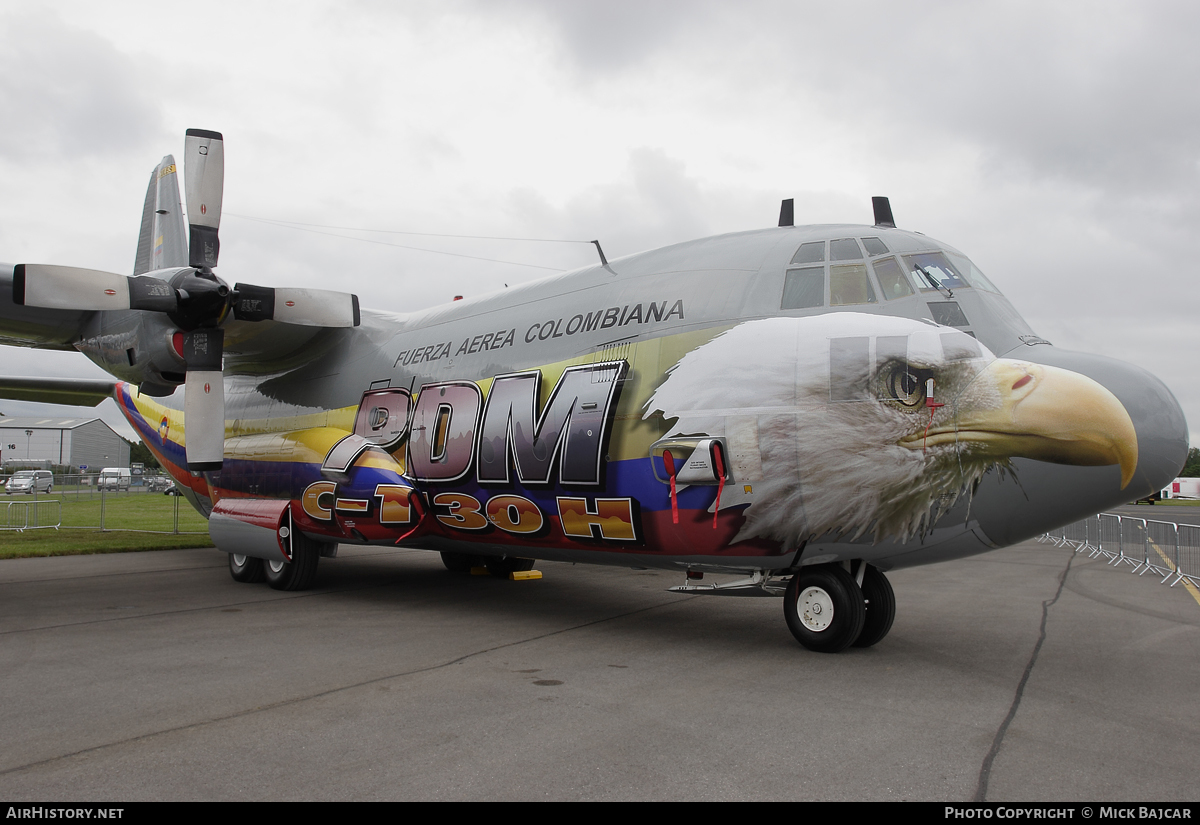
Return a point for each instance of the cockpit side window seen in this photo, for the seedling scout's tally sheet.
(810, 253)
(891, 278)
(844, 249)
(848, 284)
(804, 288)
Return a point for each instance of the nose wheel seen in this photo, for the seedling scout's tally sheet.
(881, 607)
(824, 608)
(828, 611)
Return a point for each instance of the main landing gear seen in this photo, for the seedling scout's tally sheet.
(828, 610)
(246, 569)
(498, 566)
(298, 574)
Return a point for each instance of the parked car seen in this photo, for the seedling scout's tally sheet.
(115, 478)
(173, 490)
(27, 481)
(160, 484)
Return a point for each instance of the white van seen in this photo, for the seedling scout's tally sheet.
(114, 478)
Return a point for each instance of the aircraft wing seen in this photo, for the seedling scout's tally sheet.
(77, 392)
(25, 326)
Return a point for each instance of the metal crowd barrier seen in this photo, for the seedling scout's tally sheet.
(83, 485)
(16, 514)
(1169, 550)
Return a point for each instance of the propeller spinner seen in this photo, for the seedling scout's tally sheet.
(194, 298)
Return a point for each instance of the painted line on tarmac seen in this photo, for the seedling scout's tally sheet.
(1191, 588)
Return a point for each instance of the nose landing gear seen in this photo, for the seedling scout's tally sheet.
(828, 611)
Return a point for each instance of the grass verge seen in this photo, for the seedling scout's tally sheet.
(50, 542)
(123, 514)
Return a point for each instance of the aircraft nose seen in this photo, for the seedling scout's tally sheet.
(1049, 495)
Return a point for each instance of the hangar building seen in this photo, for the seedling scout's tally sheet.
(74, 442)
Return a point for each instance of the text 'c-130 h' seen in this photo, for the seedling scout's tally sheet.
(805, 406)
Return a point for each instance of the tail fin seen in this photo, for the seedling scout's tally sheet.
(163, 239)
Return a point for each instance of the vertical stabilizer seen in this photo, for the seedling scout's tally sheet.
(163, 239)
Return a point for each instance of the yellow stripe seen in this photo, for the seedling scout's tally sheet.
(1191, 588)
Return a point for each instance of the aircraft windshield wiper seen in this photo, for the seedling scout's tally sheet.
(934, 282)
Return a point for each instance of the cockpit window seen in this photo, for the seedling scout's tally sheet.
(844, 249)
(891, 278)
(810, 253)
(933, 270)
(875, 246)
(849, 285)
(804, 288)
(976, 277)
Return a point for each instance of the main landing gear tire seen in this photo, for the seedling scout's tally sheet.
(881, 607)
(502, 567)
(461, 562)
(246, 569)
(300, 573)
(824, 608)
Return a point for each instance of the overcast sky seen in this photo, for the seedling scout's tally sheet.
(1055, 144)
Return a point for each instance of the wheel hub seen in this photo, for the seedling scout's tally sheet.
(815, 608)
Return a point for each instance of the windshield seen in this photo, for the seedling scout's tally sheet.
(24, 474)
(933, 270)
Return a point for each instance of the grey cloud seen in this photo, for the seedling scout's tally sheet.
(1093, 94)
(67, 91)
(610, 36)
(656, 203)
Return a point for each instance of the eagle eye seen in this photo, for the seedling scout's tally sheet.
(905, 384)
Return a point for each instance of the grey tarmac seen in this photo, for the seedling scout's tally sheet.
(153, 676)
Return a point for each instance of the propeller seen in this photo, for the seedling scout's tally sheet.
(194, 298)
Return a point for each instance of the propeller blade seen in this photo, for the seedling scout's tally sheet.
(204, 183)
(68, 287)
(304, 307)
(204, 399)
(152, 294)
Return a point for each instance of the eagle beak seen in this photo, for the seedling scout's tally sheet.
(1049, 414)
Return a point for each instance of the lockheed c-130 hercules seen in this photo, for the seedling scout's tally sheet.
(804, 406)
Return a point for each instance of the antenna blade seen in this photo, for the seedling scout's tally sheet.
(883, 212)
(787, 212)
